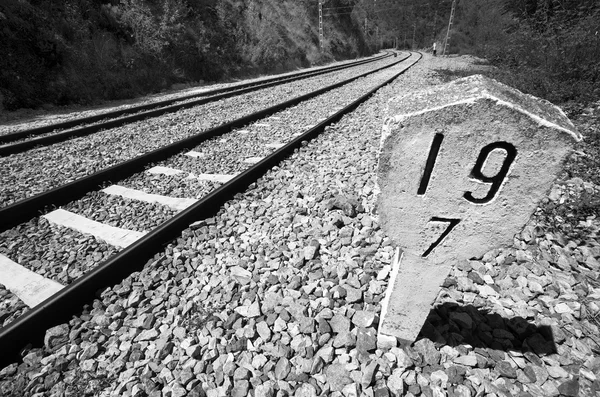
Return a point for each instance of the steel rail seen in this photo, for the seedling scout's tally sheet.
(28, 208)
(90, 129)
(30, 328)
(157, 108)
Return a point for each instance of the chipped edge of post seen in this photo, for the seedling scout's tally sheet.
(546, 123)
(391, 281)
(469, 101)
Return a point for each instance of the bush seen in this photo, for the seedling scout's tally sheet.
(549, 49)
(82, 51)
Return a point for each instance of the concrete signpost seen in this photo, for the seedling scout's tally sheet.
(461, 169)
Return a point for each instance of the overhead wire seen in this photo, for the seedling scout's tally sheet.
(376, 11)
(333, 8)
(398, 7)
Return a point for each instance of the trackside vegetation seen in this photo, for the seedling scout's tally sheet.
(83, 51)
(548, 48)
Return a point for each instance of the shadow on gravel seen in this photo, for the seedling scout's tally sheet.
(453, 325)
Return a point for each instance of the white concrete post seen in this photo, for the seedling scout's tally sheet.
(462, 167)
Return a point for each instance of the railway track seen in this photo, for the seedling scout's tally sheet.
(23, 140)
(147, 140)
(76, 158)
(197, 177)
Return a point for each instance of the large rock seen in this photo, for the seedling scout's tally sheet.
(337, 377)
(462, 167)
(56, 336)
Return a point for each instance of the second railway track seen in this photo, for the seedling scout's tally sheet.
(58, 132)
(86, 265)
(67, 161)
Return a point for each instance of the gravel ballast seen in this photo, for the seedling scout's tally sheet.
(33, 118)
(280, 294)
(57, 253)
(334, 76)
(121, 212)
(26, 174)
(227, 156)
(11, 306)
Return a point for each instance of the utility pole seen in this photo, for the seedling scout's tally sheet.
(434, 24)
(449, 27)
(321, 24)
(377, 27)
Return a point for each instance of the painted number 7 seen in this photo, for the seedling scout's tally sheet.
(476, 173)
(451, 224)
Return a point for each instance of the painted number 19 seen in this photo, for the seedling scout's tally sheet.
(476, 173)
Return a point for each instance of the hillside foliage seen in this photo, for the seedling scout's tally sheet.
(82, 51)
(549, 48)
